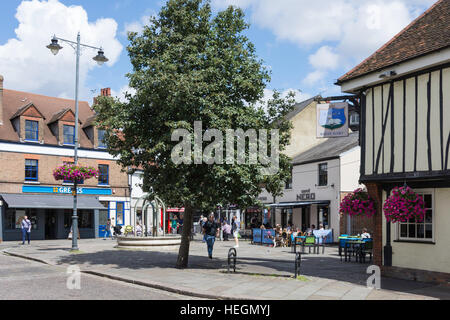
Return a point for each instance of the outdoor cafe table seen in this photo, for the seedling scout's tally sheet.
(356, 247)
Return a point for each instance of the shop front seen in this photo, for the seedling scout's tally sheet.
(50, 216)
(303, 214)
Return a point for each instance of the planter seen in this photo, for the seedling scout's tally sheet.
(404, 204)
(358, 203)
(71, 172)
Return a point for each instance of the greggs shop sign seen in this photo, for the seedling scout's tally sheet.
(66, 190)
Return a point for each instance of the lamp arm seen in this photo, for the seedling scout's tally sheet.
(73, 42)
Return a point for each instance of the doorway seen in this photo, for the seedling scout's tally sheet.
(51, 225)
(306, 218)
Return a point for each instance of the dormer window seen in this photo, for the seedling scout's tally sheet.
(69, 135)
(31, 130)
(101, 137)
(28, 122)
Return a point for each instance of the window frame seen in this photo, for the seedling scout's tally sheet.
(123, 213)
(37, 170)
(100, 143)
(321, 175)
(33, 131)
(289, 183)
(66, 135)
(101, 175)
(431, 240)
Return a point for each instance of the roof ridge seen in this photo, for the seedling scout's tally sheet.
(43, 95)
(394, 38)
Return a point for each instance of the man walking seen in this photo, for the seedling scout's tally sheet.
(211, 231)
(26, 229)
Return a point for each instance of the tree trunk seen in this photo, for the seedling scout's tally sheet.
(183, 254)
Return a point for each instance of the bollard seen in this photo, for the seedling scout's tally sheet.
(232, 254)
(298, 260)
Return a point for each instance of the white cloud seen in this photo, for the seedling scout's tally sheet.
(347, 30)
(315, 77)
(28, 65)
(324, 58)
(122, 91)
(136, 26)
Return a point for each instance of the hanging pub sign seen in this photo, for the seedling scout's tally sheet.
(332, 120)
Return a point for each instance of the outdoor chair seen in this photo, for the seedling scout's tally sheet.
(284, 239)
(321, 243)
(309, 242)
(367, 248)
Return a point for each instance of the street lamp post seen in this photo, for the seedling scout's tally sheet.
(100, 59)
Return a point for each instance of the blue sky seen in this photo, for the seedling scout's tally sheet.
(307, 45)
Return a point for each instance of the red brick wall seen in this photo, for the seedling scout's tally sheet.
(357, 223)
(375, 191)
(12, 174)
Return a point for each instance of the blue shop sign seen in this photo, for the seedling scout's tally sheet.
(66, 190)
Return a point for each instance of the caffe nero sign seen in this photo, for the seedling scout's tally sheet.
(306, 195)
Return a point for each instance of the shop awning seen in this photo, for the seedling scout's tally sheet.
(42, 201)
(299, 204)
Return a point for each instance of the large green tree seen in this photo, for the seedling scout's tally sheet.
(190, 65)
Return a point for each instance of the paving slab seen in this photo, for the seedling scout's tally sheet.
(263, 273)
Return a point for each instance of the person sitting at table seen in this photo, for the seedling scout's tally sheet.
(310, 230)
(365, 234)
(321, 227)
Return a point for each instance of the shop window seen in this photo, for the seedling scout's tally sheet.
(68, 218)
(120, 213)
(86, 219)
(323, 174)
(14, 218)
(31, 130)
(69, 135)
(31, 170)
(103, 174)
(419, 231)
(101, 139)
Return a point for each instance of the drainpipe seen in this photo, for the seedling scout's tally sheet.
(388, 248)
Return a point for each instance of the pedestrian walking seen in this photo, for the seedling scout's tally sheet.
(211, 231)
(205, 219)
(226, 229)
(174, 224)
(235, 227)
(180, 221)
(108, 230)
(26, 229)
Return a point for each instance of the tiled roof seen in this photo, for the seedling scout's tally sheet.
(50, 107)
(299, 107)
(428, 33)
(331, 148)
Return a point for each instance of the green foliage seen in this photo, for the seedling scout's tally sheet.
(189, 65)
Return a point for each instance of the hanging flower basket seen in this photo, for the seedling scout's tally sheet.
(358, 203)
(404, 204)
(71, 172)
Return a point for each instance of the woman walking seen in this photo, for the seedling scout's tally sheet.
(211, 231)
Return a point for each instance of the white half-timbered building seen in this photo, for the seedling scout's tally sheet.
(405, 139)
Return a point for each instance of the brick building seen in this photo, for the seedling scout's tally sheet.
(36, 136)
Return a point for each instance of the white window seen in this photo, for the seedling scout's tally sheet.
(420, 231)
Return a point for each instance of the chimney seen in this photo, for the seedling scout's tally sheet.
(106, 92)
(1, 100)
